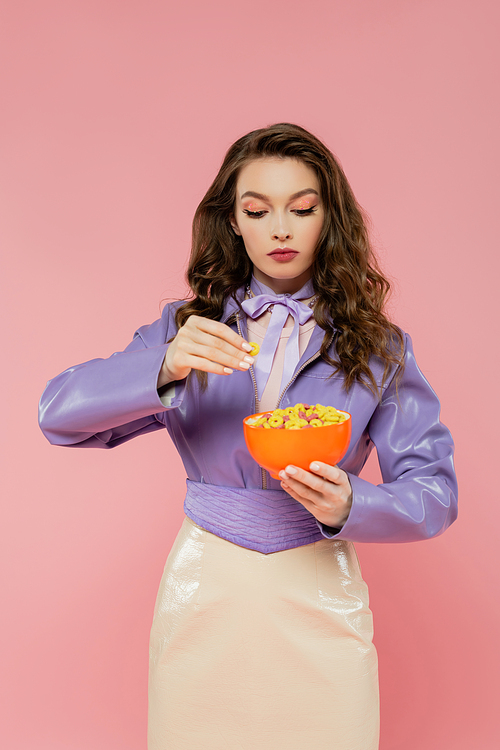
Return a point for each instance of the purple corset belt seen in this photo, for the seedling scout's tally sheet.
(262, 520)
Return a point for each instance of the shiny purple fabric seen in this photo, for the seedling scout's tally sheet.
(105, 402)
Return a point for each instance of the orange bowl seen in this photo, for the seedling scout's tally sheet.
(275, 449)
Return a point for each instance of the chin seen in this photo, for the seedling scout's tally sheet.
(285, 279)
(290, 273)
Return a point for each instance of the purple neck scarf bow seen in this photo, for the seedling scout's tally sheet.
(283, 306)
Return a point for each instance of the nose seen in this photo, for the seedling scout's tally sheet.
(280, 232)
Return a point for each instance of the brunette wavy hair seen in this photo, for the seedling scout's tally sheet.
(350, 287)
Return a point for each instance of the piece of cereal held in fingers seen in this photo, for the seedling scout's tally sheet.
(255, 349)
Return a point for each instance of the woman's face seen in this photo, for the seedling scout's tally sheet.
(279, 214)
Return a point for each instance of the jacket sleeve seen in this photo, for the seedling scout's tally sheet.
(104, 402)
(418, 497)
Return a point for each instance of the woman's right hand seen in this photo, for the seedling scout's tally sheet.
(204, 344)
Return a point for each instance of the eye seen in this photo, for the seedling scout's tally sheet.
(254, 214)
(304, 211)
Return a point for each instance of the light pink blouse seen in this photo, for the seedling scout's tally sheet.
(256, 332)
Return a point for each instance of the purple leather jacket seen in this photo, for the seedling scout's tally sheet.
(105, 402)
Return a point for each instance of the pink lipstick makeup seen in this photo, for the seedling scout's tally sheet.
(283, 254)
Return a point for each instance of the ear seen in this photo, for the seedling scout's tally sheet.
(234, 225)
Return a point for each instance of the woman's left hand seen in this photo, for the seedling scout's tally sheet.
(324, 490)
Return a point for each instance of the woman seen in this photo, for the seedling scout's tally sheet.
(262, 634)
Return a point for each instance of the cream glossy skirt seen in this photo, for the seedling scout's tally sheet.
(261, 652)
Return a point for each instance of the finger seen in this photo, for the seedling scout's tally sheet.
(298, 476)
(305, 501)
(336, 479)
(310, 488)
(328, 513)
(206, 365)
(220, 356)
(220, 330)
(206, 346)
(326, 471)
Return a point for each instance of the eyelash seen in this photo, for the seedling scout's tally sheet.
(298, 212)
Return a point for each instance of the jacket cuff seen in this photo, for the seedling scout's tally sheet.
(355, 517)
(378, 513)
(172, 394)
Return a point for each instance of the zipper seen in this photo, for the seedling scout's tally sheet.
(256, 403)
(311, 359)
(307, 362)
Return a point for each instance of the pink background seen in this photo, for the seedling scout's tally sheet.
(115, 117)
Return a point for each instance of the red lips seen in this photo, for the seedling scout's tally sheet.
(283, 250)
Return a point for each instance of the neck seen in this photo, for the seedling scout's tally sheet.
(282, 286)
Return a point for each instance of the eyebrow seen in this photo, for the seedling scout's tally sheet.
(252, 194)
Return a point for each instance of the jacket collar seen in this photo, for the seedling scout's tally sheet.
(233, 308)
(232, 305)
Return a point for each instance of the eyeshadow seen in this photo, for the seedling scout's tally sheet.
(303, 204)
